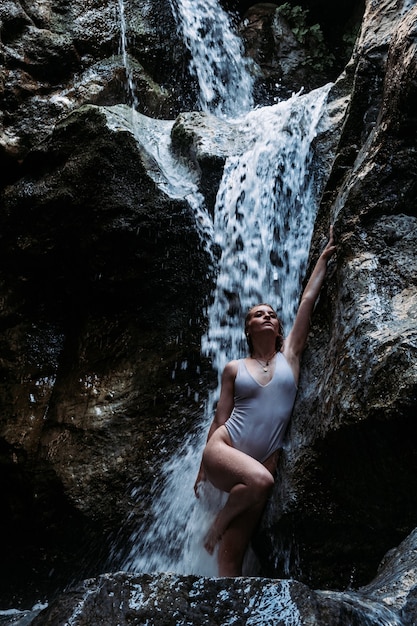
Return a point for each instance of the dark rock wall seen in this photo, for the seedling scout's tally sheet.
(351, 458)
(58, 56)
(104, 280)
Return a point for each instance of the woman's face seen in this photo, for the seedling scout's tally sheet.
(262, 318)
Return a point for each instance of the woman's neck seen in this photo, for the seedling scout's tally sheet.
(264, 355)
(264, 350)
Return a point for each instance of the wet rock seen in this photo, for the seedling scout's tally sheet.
(169, 599)
(349, 462)
(272, 44)
(123, 598)
(205, 142)
(104, 283)
(291, 52)
(64, 55)
(396, 580)
(102, 300)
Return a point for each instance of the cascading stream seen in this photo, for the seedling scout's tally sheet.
(263, 222)
(264, 218)
(130, 85)
(217, 58)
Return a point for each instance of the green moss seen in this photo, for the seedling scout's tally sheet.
(311, 37)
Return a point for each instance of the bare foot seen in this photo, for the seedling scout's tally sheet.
(212, 538)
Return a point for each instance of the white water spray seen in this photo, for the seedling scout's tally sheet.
(264, 219)
(217, 57)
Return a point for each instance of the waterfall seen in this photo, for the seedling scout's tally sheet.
(263, 221)
(130, 85)
(217, 58)
(264, 218)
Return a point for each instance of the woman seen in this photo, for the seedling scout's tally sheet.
(256, 400)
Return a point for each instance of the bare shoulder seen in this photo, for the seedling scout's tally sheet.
(228, 380)
(230, 369)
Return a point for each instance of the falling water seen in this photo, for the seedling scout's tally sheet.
(130, 85)
(264, 217)
(263, 221)
(217, 58)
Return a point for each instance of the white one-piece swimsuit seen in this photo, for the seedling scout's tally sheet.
(261, 413)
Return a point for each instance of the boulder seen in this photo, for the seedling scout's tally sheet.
(104, 282)
(178, 600)
(350, 460)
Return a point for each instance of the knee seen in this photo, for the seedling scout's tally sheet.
(263, 483)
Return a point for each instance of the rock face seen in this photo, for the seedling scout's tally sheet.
(60, 55)
(289, 52)
(105, 275)
(174, 600)
(96, 323)
(350, 456)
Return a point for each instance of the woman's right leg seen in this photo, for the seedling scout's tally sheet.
(246, 480)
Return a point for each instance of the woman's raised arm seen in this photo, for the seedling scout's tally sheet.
(296, 340)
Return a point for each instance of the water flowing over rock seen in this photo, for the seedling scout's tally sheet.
(111, 266)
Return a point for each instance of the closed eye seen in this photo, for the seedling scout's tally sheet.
(261, 313)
